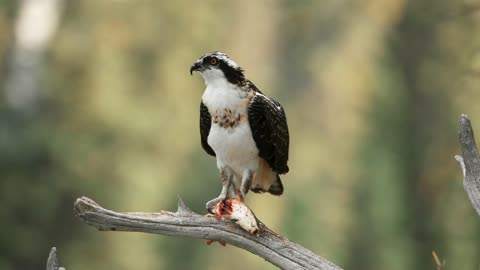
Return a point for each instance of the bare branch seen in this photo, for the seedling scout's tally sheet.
(185, 223)
(470, 163)
(52, 262)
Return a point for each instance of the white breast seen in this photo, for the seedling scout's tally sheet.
(234, 147)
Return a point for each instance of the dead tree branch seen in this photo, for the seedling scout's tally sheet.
(470, 163)
(52, 262)
(185, 223)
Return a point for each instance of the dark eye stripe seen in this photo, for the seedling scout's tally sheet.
(206, 59)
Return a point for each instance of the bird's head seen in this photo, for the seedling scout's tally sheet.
(218, 67)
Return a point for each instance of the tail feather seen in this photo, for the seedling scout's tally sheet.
(277, 187)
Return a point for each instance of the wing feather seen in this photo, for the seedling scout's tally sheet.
(205, 125)
(270, 131)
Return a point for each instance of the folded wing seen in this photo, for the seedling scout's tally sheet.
(270, 131)
(205, 125)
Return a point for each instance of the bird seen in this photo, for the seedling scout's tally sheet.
(243, 128)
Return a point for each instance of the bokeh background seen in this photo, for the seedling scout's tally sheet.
(96, 99)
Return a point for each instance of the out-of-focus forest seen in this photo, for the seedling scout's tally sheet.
(97, 100)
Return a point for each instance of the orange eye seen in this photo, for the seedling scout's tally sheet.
(213, 61)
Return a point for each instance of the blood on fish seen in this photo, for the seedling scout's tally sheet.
(224, 207)
(235, 210)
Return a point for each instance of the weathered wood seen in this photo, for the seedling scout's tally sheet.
(470, 163)
(52, 261)
(185, 223)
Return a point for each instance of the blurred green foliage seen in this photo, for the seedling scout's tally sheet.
(372, 90)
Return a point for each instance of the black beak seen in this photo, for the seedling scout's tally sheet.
(196, 66)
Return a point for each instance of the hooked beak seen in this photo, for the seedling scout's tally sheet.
(195, 67)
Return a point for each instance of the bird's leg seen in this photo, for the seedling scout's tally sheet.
(232, 191)
(246, 184)
(227, 176)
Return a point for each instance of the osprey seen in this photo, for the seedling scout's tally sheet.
(246, 130)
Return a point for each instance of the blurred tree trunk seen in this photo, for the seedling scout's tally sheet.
(429, 65)
(418, 76)
(36, 23)
(27, 164)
